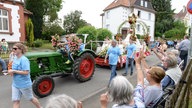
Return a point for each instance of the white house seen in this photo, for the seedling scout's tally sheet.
(119, 10)
(12, 20)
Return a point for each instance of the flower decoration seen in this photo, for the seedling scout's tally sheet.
(147, 38)
(74, 44)
(55, 40)
(118, 36)
(103, 52)
(132, 19)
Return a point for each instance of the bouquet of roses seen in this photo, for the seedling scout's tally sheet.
(55, 40)
(74, 44)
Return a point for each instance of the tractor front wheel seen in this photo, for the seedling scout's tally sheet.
(84, 67)
(43, 86)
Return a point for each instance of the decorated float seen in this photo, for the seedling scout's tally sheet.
(123, 42)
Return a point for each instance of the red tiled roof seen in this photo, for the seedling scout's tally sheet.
(117, 3)
(181, 14)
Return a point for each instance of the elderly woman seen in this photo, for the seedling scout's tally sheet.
(63, 101)
(173, 73)
(122, 93)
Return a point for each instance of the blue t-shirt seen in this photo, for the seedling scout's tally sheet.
(21, 64)
(114, 53)
(67, 47)
(130, 50)
(82, 47)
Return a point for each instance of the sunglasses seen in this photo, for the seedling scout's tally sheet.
(15, 48)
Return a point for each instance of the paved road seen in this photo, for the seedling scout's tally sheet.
(71, 87)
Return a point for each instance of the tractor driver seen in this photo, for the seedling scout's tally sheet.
(66, 48)
(65, 44)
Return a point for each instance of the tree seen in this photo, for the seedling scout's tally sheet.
(164, 15)
(52, 29)
(103, 33)
(92, 35)
(30, 32)
(72, 22)
(177, 32)
(40, 9)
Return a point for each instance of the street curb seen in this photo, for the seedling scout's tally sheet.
(94, 94)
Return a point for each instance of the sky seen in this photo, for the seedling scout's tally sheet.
(92, 9)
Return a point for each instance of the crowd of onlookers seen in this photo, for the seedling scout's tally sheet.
(152, 81)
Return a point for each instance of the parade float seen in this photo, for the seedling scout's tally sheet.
(47, 65)
(122, 43)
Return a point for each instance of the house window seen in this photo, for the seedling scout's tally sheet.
(139, 14)
(149, 29)
(145, 3)
(4, 21)
(138, 28)
(108, 14)
(107, 26)
(141, 2)
(149, 16)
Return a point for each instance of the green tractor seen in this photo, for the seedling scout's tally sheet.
(46, 65)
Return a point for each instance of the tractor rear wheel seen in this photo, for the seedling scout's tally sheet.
(84, 67)
(43, 86)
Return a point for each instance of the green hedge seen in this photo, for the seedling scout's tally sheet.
(103, 33)
(92, 35)
(38, 43)
(175, 33)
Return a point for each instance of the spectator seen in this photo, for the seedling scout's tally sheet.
(3, 65)
(4, 45)
(63, 101)
(22, 84)
(153, 89)
(121, 91)
(184, 47)
(173, 73)
(176, 53)
(175, 43)
(163, 46)
(113, 53)
(131, 49)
